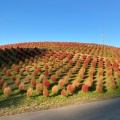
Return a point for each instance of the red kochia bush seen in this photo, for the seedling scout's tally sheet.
(13, 77)
(16, 69)
(70, 89)
(46, 73)
(46, 66)
(8, 73)
(33, 82)
(53, 78)
(45, 93)
(85, 88)
(46, 83)
(39, 69)
(70, 62)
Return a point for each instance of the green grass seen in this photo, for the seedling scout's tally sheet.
(18, 102)
(21, 103)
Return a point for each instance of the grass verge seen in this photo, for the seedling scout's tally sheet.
(22, 103)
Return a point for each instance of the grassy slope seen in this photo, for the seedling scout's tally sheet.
(18, 101)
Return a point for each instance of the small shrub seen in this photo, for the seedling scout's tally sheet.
(30, 63)
(4, 69)
(42, 77)
(53, 78)
(66, 79)
(63, 92)
(8, 73)
(29, 92)
(21, 63)
(46, 83)
(75, 84)
(13, 77)
(99, 88)
(27, 69)
(70, 62)
(61, 83)
(58, 73)
(16, 69)
(70, 89)
(1, 82)
(45, 93)
(88, 83)
(55, 89)
(7, 91)
(81, 75)
(35, 65)
(17, 82)
(46, 66)
(78, 79)
(39, 69)
(28, 77)
(50, 69)
(85, 88)
(33, 82)
(4, 85)
(21, 86)
(39, 87)
(113, 86)
(46, 73)
(21, 73)
(35, 73)
(26, 60)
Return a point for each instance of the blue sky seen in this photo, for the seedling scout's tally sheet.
(60, 20)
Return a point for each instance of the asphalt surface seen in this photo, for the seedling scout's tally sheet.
(101, 110)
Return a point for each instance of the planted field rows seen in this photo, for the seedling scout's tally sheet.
(51, 68)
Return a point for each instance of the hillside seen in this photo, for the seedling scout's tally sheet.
(42, 75)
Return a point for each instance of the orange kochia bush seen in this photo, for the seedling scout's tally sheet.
(63, 92)
(39, 87)
(55, 89)
(45, 93)
(7, 91)
(21, 86)
(29, 92)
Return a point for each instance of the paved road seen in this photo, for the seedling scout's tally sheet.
(101, 110)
